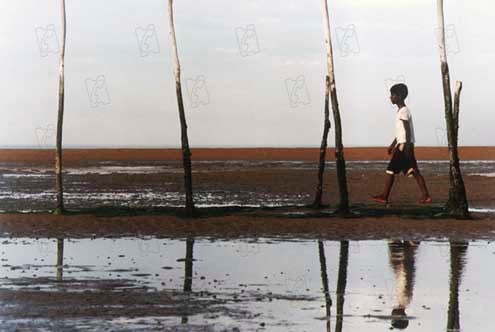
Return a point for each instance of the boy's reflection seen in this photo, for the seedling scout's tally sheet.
(402, 256)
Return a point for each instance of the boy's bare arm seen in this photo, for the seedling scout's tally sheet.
(407, 129)
(392, 146)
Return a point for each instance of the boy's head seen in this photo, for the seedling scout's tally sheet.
(398, 93)
(399, 320)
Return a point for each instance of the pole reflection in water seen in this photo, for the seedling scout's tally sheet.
(457, 262)
(402, 255)
(341, 283)
(324, 280)
(188, 268)
(60, 259)
(134, 279)
(188, 277)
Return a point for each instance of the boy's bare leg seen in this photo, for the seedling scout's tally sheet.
(389, 182)
(426, 198)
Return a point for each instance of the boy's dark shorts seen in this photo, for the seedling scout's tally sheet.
(403, 161)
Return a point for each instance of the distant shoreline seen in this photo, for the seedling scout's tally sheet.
(210, 154)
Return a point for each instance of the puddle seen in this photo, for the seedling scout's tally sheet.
(130, 284)
(481, 210)
(488, 175)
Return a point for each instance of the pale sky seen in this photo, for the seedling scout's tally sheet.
(252, 71)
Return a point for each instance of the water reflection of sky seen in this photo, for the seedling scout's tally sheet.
(30, 188)
(280, 283)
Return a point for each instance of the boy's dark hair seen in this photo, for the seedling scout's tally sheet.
(400, 90)
(399, 320)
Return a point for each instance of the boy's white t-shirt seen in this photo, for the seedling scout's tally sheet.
(400, 133)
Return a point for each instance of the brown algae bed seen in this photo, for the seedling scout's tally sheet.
(365, 222)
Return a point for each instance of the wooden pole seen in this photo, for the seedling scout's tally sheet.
(323, 148)
(339, 147)
(186, 152)
(59, 209)
(457, 203)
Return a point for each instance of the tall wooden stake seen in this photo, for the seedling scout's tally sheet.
(339, 147)
(323, 148)
(59, 209)
(457, 203)
(186, 152)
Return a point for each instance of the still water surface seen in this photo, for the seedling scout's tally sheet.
(246, 285)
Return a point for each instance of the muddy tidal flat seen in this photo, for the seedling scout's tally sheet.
(255, 258)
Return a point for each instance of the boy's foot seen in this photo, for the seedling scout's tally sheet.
(379, 199)
(427, 200)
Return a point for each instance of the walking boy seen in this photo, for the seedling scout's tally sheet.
(402, 148)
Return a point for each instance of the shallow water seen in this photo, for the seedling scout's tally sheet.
(155, 184)
(258, 284)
